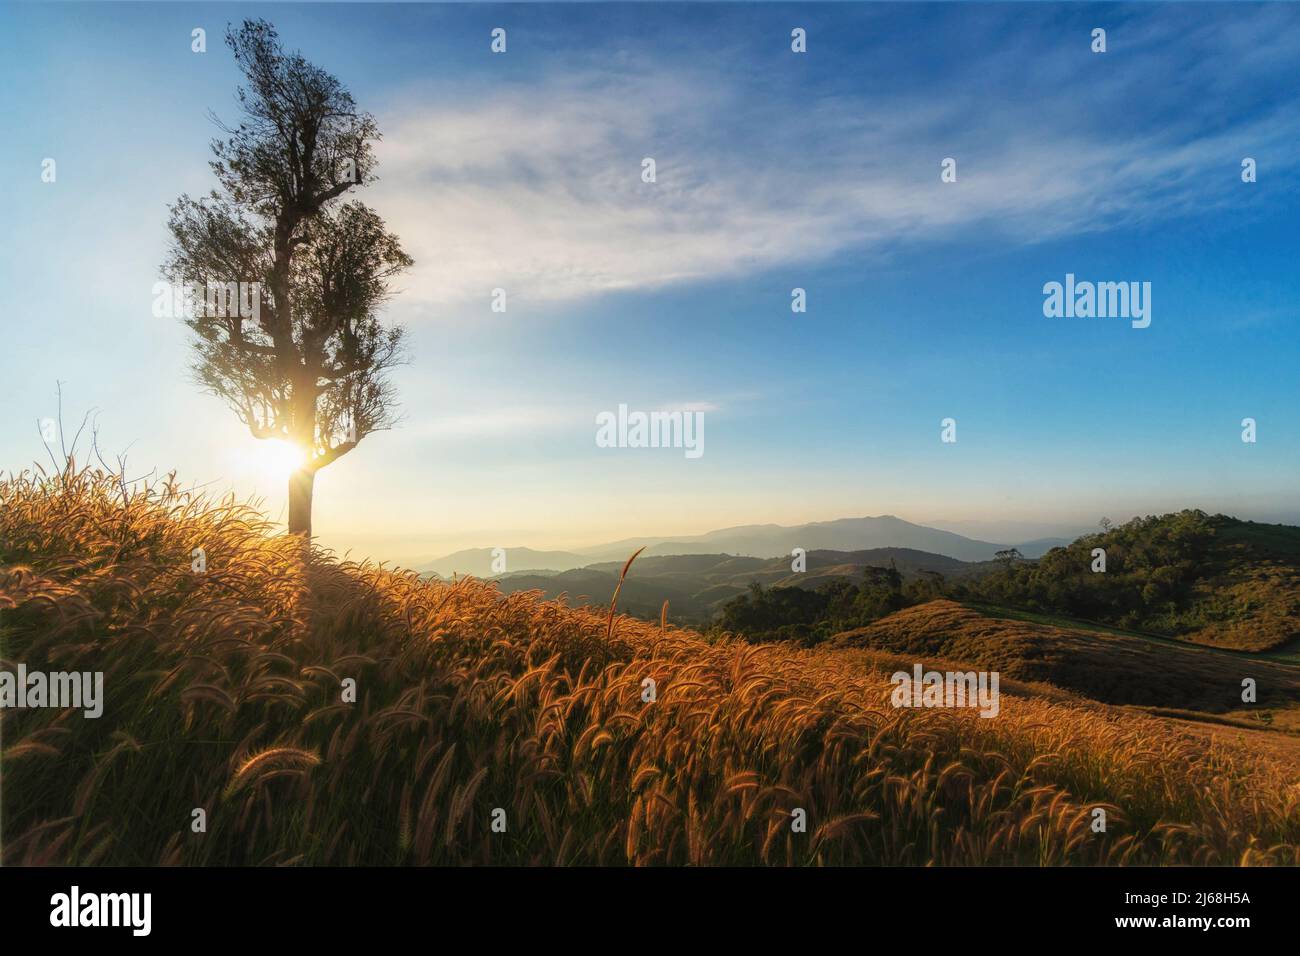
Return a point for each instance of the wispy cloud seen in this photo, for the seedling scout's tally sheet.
(507, 419)
(538, 189)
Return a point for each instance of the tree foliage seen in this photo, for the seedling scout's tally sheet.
(311, 365)
(810, 615)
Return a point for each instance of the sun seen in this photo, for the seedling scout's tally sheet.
(280, 458)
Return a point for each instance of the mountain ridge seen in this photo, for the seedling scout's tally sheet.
(750, 540)
(697, 586)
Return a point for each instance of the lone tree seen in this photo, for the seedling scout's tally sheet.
(307, 362)
(1008, 557)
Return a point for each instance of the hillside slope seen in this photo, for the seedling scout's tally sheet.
(224, 692)
(481, 561)
(1112, 668)
(1207, 579)
(772, 540)
(696, 586)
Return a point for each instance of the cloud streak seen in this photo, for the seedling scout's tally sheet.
(537, 189)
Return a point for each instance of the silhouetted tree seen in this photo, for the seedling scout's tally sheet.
(1008, 557)
(308, 365)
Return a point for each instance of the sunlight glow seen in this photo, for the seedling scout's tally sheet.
(278, 458)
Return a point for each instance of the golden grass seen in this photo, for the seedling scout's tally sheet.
(1113, 668)
(223, 692)
(1259, 607)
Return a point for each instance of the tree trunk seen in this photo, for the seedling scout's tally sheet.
(300, 488)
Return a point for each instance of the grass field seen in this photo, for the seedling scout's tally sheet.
(1104, 664)
(1287, 653)
(225, 692)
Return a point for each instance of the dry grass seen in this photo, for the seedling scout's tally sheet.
(1113, 668)
(223, 692)
(1258, 608)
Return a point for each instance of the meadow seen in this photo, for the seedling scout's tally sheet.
(1109, 666)
(505, 729)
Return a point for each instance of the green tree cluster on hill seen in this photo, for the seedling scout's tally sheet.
(1150, 566)
(1212, 578)
(1172, 574)
(809, 616)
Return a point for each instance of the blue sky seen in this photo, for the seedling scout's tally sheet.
(774, 170)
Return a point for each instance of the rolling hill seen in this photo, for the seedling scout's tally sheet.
(1107, 666)
(1206, 579)
(760, 541)
(479, 562)
(696, 586)
(594, 739)
(843, 534)
(1202, 579)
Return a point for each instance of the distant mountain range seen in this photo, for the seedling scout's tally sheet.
(755, 541)
(479, 562)
(697, 585)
